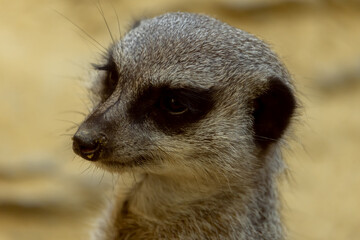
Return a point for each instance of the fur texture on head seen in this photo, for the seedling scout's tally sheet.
(196, 109)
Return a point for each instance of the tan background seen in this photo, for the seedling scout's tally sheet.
(46, 193)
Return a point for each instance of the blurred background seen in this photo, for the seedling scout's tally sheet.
(48, 193)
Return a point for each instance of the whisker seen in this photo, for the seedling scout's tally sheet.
(86, 169)
(101, 11)
(102, 177)
(63, 76)
(65, 135)
(86, 104)
(70, 128)
(92, 43)
(94, 169)
(68, 121)
(71, 111)
(265, 138)
(66, 148)
(81, 29)
(118, 21)
(112, 181)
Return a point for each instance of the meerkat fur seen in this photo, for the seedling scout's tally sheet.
(195, 111)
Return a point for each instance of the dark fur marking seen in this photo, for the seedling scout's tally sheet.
(273, 110)
(125, 208)
(150, 105)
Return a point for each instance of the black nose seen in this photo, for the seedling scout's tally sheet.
(88, 144)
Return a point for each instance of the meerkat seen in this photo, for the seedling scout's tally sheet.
(196, 110)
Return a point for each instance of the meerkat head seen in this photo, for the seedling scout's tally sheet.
(186, 92)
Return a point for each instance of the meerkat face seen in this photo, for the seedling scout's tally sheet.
(185, 91)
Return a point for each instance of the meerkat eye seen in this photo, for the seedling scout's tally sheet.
(111, 78)
(173, 106)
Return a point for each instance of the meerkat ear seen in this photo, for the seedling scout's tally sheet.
(136, 22)
(273, 110)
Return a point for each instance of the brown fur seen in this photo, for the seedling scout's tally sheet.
(210, 171)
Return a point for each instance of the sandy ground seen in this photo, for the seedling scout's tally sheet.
(45, 60)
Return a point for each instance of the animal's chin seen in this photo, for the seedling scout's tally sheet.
(116, 166)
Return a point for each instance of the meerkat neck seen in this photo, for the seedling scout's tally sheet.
(153, 205)
(154, 194)
(254, 206)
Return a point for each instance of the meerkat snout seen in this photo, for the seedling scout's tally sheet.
(198, 110)
(88, 144)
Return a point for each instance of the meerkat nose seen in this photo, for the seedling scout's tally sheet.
(88, 144)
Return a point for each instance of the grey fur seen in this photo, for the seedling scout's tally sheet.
(212, 180)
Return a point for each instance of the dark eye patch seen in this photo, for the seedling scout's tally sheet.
(110, 81)
(172, 109)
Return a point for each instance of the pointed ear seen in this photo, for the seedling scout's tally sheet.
(273, 110)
